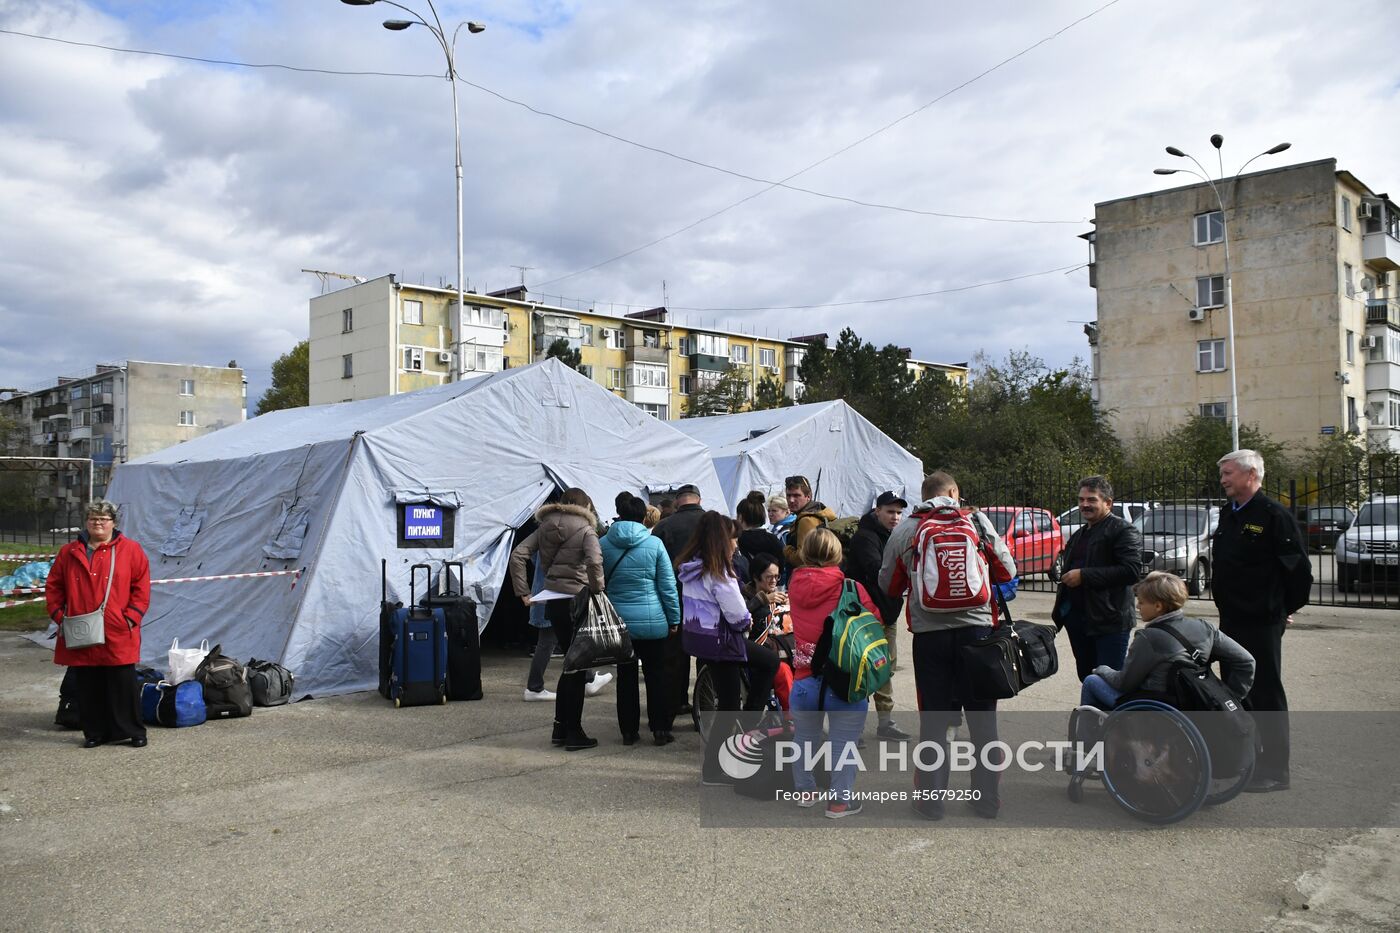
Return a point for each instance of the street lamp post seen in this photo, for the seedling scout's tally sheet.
(449, 49)
(1217, 141)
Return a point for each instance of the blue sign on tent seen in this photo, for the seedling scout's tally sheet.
(422, 522)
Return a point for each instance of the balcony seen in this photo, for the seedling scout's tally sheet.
(658, 355)
(1383, 311)
(80, 432)
(49, 411)
(714, 364)
(1381, 251)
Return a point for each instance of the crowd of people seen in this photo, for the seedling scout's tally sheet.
(751, 598)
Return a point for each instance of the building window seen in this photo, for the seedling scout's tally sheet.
(586, 370)
(1394, 412)
(1348, 282)
(706, 379)
(1351, 346)
(347, 320)
(683, 346)
(1352, 424)
(187, 387)
(1210, 228)
(614, 378)
(651, 339)
(1210, 291)
(646, 374)
(347, 366)
(505, 325)
(1210, 356)
(711, 345)
(412, 311)
(739, 353)
(768, 358)
(683, 385)
(657, 411)
(187, 417)
(1214, 410)
(486, 317)
(413, 359)
(587, 338)
(1346, 213)
(615, 339)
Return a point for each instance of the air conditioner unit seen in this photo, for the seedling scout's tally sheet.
(1369, 343)
(1365, 210)
(444, 356)
(1196, 314)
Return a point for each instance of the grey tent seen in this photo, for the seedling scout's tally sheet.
(848, 460)
(319, 495)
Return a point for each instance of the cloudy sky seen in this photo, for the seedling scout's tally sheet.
(161, 209)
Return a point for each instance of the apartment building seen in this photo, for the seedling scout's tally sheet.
(1314, 254)
(383, 337)
(119, 412)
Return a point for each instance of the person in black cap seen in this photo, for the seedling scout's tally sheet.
(675, 532)
(863, 559)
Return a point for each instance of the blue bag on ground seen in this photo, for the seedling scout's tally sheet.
(173, 705)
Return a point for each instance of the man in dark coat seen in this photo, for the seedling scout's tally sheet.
(1103, 562)
(675, 531)
(1261, 576)
(863, 559)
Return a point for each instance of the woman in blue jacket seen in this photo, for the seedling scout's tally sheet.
(642, 586)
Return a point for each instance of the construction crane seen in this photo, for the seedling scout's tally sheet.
(326, 277)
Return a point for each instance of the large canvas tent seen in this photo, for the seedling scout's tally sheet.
(848, 460)
(320, 494)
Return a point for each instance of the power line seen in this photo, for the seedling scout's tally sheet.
(842, 150)
(872, 301)
(553, 116)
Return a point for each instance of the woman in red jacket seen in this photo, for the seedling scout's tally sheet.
(109, 706)
(813, 592)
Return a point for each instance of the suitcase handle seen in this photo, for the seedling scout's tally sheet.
(461, 578)
(383, 580)
(413, 582)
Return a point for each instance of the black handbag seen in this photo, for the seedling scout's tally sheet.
(1039, 657)
(990, 668)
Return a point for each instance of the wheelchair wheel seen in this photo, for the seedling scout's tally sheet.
(1224, 788)
(704, 701)
(1156, 764)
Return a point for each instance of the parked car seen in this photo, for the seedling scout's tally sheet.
(1070, 520)
(1176, 538)
(1033, 537)
(1369, 551)
(1323, 524)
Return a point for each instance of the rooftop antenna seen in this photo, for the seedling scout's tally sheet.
(523, 270)
(326, 277)
(664, 300)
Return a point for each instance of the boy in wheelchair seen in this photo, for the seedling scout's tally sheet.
(1147, 667)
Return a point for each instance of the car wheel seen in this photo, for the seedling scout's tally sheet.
(1196, 581)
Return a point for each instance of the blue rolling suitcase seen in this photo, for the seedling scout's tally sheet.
(417, 654)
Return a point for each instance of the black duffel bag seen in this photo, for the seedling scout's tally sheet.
(990, 668)
(1039, 657)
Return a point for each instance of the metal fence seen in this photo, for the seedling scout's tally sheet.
(1350, 519)
(48, 527)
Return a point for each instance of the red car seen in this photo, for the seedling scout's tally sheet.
(1032, 535)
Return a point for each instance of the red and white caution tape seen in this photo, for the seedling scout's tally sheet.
(229, 576)
(20, 602)
(22, 591)
(27, 557)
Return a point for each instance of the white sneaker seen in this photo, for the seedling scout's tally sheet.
(599, 682)
(807, 799)
(534, 696)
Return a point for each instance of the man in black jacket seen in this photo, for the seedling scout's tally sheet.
(675, 532)
(1103, 561)
(863, 560)
(1261, 576)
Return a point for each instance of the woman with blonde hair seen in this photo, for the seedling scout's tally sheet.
(818, 689)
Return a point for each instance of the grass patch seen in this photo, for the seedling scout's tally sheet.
(32, 617)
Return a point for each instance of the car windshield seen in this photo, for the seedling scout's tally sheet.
(1000, 521)
(1379, 513)
(1173, 521)
(1327, 515)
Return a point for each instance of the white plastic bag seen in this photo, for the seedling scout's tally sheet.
(184, 661)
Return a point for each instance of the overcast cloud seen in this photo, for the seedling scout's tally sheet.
(158, 209)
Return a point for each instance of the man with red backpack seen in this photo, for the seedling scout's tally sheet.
(948, 559)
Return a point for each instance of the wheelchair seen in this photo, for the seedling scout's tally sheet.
(704, 699)
(1160, 764)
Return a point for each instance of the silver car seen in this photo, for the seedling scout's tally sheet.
(1176, 538)
(1369, 551)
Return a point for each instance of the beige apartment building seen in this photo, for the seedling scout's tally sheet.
(382, 337)
(1314, 254)
(119, 412)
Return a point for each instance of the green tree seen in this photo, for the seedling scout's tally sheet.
(19, 500)
(291, 381)
(1190, 451)
(729, 394)
(769, 394)
(569, 356)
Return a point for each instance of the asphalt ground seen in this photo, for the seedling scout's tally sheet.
(344, 813)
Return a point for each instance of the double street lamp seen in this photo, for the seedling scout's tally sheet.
(449, 49)
(1217, 141)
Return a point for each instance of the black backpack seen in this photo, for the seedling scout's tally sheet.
(226, 689)
(270, 682)
(1220, 715)
(67, 715)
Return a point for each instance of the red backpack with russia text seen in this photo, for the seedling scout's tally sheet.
(950, 572)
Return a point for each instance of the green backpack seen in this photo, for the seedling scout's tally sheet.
(858, 645)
